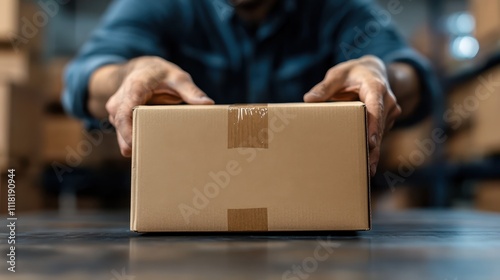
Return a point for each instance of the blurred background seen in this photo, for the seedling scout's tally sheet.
(452, 159)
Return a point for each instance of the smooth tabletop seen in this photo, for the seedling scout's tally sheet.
(420, 244)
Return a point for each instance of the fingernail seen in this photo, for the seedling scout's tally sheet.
(373, 139)
(373, 169)
(206, 98)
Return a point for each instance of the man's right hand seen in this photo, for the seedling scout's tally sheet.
(152, 81)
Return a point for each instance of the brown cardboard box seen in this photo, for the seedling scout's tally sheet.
(4, 124)
(14, 66)
(66, 141)
(460, 146)
(29, 194)
(488, 196)
(20, 114)
(9, 13)
(276, 167)
(487, 18)
(472, 113)
(486, 130)
(55, 71)
(61, 137)
(401, 145)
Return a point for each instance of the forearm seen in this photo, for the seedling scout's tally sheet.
(406, 86)
(103, 83)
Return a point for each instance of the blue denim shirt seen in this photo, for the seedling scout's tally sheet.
(279, 61)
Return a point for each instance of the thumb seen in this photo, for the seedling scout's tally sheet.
(317, 93)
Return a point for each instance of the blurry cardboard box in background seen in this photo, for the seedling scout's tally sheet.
(13, 66)
(402, 145)
(487, 19)
(488, 196)
(9, 16)
(473, 116)
(20, 145)
(19, 131)
(275, 167)
(486, 93)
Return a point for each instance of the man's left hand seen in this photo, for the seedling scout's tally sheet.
(364, 79)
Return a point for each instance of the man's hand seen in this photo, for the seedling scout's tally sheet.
(148, 80)
(363, 79)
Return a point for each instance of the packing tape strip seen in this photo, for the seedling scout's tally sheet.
(253, 219)
(247, 126)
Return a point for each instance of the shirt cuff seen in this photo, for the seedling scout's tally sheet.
(430, 86)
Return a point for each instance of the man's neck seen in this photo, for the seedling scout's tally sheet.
(255, 14)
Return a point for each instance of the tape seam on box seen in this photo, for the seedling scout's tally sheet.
(252, 219)
(247, 126)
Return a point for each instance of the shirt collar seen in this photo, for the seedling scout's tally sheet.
(226, 11)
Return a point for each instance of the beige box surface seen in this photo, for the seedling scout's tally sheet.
(275, 167)
(9, 14)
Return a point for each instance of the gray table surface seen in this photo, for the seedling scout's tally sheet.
(423, 244)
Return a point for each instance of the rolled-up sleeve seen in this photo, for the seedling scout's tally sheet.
(130, 28)
(366, 29)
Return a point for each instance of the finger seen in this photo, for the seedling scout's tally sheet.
(135, 91)
(374, 107)
(373, 96)
(392, 116)
(125, 149)
(183, 84)
(111, 120)
(110, 106)
(123, 125)
(164, 99)
(374, 159)
(345, 96)
(333, 83)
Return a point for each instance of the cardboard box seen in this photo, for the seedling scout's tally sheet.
(459, 147)
(20, 114)
(29, 192)
(488, 196)
(486, 130)
(4, 124)
(472, 113)
(9, 14)
(401, 145)
(61, 138)
(54, 71)
(276, 167)
(66, 141)
(487, 18)
(14, 66)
